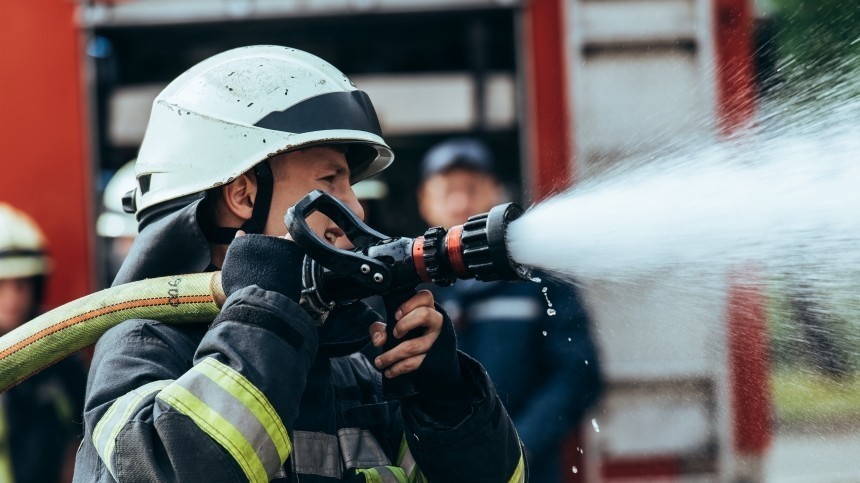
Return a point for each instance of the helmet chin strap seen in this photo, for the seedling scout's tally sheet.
(257, 223)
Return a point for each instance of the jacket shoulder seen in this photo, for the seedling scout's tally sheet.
(181, 337)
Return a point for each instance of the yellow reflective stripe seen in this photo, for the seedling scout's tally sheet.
(370, 476)
(120, 412)
(5, 457)
(256, 402)
(218, 428)
(406, 461)
(519, 475)
(393, 474)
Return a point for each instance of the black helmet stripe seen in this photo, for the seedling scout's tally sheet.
(21, 252)
(334, 110)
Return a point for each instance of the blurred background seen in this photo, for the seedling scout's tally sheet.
(560, 90)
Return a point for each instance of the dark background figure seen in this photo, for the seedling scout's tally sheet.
(819, 336)
(116, 228)
(39, 418)
(541, 358)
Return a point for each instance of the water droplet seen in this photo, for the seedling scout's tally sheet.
(544, 333)
(543, 290)
(550, 312)
(586, 362)
(536, 280)
(574, 469)
(581, 451)
(594, 424)
(569, 339)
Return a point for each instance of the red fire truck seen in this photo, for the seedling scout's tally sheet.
(557, 87)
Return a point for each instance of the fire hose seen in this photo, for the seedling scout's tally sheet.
(377, 265)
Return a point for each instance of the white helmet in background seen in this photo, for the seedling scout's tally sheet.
(23, 250)
(227, 114)
(114, 222)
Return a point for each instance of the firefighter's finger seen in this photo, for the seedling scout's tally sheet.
(377, 333)
(405, 350)
(424, 317)
(421, 299)
(405, 366)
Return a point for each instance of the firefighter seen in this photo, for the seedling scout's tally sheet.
(544, 366)
(39, 418)
(262, 393)
(116, 228)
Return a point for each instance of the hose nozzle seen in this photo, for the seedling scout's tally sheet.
(382, 265)
(476, 249)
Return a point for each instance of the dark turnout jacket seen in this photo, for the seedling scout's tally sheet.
(544, 367)
(263, 395)
(39, 422)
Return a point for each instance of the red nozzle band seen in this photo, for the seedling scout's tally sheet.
(418, 259)
(455, 251)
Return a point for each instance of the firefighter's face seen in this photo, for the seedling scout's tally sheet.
(296, 174)
(16, 302)
(449, 198)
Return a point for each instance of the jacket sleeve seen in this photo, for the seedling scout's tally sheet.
(153, 414)
(572, 381)
(484, 447)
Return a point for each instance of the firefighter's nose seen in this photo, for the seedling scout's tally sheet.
(352, 202)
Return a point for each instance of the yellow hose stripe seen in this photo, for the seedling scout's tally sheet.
(112, 422)
(256, 402)
(218, 429)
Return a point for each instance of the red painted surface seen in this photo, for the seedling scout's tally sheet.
(550, 136)
(548, 117)
(736, 92)
(572, 456)
(652, 468)
(45, 167)
(748, 358)
(748, 366)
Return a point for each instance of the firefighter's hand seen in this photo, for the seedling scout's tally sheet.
(419, 312)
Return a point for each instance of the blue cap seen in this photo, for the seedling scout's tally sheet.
(468, 153)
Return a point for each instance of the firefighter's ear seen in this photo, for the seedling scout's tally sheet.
(238, 196)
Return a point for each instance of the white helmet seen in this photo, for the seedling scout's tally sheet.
(114, 222)
(232, 111)
(22, 245)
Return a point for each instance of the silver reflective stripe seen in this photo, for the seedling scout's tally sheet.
(228, 407)
(216, 389)
(316, 454)
(388, 475)
(360, 449)
(504, 308)
(405, 459)
(120, 413)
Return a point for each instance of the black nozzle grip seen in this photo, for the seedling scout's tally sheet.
(401, 386)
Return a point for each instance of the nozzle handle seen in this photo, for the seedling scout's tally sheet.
(336, 259)
(401, 386)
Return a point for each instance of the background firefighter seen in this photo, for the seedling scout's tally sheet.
(545, 367)
(39, 418)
